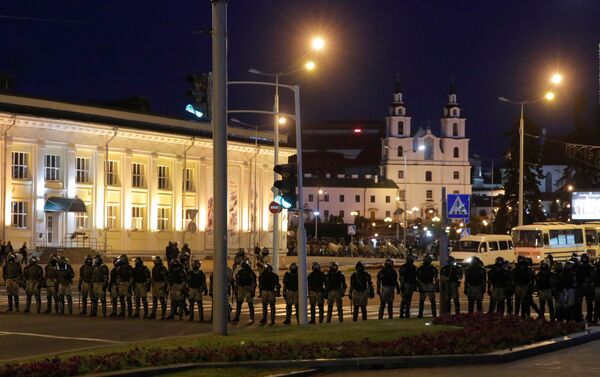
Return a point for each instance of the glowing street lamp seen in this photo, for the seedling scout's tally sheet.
(310, 65)
(556, 78)
(317, 43)
(282, 121)
(549, 96)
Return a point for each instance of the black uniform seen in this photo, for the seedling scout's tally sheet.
(33, 275)
(268, 286)
(427, 279)
(596, 287)
(585, 291)
(387, 284)
(125, 287)
(86, 272)
(65, 279)
(316, 290)
(408, 285)
(100, 278)
(176, 279)
(141, 284)
(523, 281)
(336, 289)
(51, 283)
(451, 275)
(12, 273)
(197, 287)
(290, 293)
(245, 282)
(498, 282)
(567, 296)
(546, 284)
(475, 282)
(159, 289)
(361, 288)
(113, 288)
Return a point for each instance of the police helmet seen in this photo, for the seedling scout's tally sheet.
(11, 257)
(499, 261)
(584, 258)
(175, 263)
(139, 262)
(33, 260)
(115, 261)
(359, 266)
(98, 260)
(240, 252)
(475, 260)
(428, 259)
(520, 259)
(333, 266)
(410, 258)
(270, 268)
(389, 263)
(569, 266)
(52, 259)
(265, 251)
(157, 260)
(293, 267)
(123, 259)
(246, 264)
(315, 266)
(544, 265)
(196, 264)
(451, 259)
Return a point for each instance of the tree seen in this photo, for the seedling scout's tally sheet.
(507, 215)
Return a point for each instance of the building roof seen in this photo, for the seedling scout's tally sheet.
(361, 182)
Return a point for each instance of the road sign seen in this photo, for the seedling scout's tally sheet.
(351, 230)
(458, 206)
(274, 207)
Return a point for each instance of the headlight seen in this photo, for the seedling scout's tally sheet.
(468, 260)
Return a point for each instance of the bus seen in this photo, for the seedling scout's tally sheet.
(538, 240)
(592, 238)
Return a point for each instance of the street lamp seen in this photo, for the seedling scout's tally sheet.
(549, 96)
(317, 213)
(317, 43)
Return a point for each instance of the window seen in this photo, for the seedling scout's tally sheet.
(455, 192)
(455, 129)
(428, 154)
(400, 174)
(400, 128)
(342, 198)
(429, 194)
(400, 151)
(456, 175)
(163, 177)
(163, 219)
(428, 176)
(356, 198)
(112, 217)
(137, 175)
(137, 218)
(326, 213)
(566, 236)
(81, 219)
(483, 247)
(402, 195)
(188, 181)
(503, 245)
(342, 214)
(493, 246)
(19, 165)
(52, 166)
(311, 198)
(190, 215)
(326, 197)
(19, 214)
(111, 176)
(388, 199)
(388, 213)
(372, 198)
(456, 152)
(82, 170)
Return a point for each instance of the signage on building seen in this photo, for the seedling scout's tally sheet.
(458, 206)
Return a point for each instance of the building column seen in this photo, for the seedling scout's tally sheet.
(36, 169)
(153, 193)
(69, 181)
(177, 207)
(126, 201)
(97, 162)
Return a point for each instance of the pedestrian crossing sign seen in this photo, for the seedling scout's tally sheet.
(458, 206)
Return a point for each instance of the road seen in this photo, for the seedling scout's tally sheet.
(572, 362)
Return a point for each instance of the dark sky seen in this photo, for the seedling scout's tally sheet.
(120, 48)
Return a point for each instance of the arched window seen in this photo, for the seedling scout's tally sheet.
(400, 127)
(455, 129)
(400, 151)
(456, 152)
(428, 154)
(428, 176)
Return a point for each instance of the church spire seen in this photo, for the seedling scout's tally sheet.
(452, 92)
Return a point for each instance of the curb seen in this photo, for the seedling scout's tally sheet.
(308, 367)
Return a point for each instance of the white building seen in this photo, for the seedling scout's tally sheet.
(156, 186)
(422, 162)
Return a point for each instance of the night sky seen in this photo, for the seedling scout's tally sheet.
(110, 49)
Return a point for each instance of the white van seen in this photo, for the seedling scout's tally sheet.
(485, 246)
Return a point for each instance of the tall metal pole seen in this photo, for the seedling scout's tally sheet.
(301, 247)
(521, 206)
(318, 214)
(492, 202)
(405, 200)
(5, 168)
(219, 126)
(443, 250)
(275, 176)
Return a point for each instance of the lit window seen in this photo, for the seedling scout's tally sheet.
(137, 175)
(52, 167)
(81, 219)
(19, 214)
(163, 219)
(137, 218)
(112, 217)
(82, 170)
(111, 170)
(163, 178)
(19, 165)
(188, 181)
(190, 216)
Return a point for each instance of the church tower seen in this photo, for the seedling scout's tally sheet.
(397, 122)
(453, 125)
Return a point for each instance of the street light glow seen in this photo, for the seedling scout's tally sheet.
(318, 43)
(549, 96)
(320, 192)
(310, 65)
(422, 147)
(282, 120)
(556, 78)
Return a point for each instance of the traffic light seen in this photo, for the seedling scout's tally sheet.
(201, 93)
(287, 184)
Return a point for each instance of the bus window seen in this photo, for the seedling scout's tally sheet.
(510, 245)
(546, 241)
(527, 238)
(566, 236)
(591, 237)
(482, 247)
(503, 245)
(493, 246)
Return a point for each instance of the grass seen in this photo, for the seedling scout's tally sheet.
(227, 372)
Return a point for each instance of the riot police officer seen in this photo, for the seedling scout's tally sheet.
(12, 274)
(545, 285)
(65, 279)
(113, 287)
(596, 288)
(290, 292)
(125, 285)
(33, 275)
(335, 284)
(475, 282)
(268, 286)
(197, 289)
(451, 274)
(408, 284)
(141, 286)
(428, 285)
(568, 292)
(523, 279)
(177, 280)
(100, 278)
(361, 288)
(51, 283)
(245, 283)
(84, 286)
(498, 280)
(159, 287)
(316, 288)
(585, 290)
(387, 284)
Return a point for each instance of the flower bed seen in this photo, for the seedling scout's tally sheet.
(480, 334)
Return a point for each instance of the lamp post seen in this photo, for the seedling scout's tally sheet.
(317, 213)
(549, 96)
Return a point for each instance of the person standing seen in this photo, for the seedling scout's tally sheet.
(361, 289)
(125, 285)
(245, 283)
(523, 279)
(176, 279)
(596, 287)
(498, 279)
(65, 279)
(86, 273)
(475, 282)
(33, 275)
(568, 289)
(23, 252)
(100, 277)
(387, 284)
(408, 284)
(12, 274)
(113, 287)
(545, 285)
(197, 289)
(585, 291)
(316, 288)
(336, 289)
(290, 292)
(451, 274)
(51, 282)
(160, 290)
(268, 286)
(141, 286)
(428, 285)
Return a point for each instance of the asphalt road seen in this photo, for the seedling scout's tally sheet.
(572, 362)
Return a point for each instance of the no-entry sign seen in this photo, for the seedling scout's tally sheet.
(274, 207)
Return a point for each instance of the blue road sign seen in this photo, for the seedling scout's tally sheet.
(458, 206)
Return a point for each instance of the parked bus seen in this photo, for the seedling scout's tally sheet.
(538, 240)
(592, 238)
(485, 246)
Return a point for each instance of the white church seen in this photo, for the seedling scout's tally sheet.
(421, 163)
